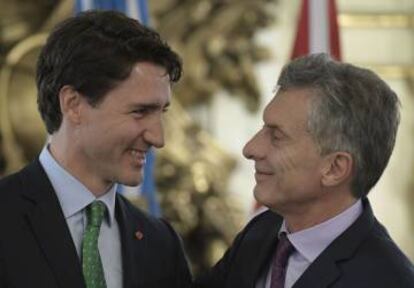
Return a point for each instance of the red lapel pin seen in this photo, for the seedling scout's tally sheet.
(139, 235)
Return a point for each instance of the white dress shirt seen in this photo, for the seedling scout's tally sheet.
(74, 197)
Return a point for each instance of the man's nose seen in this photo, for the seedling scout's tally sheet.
(254, 148)
(154, 134)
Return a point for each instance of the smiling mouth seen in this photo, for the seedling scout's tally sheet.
(262, 171)
(261, 175)
(138, 157)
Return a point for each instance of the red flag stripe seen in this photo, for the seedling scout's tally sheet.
(301, 46)
(334, 30)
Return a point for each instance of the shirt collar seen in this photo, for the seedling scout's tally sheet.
(312, 241)
(73, 196)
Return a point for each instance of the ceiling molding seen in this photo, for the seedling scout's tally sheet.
(376, 20)
(391, 72)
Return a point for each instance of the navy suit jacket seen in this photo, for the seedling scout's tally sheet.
(36, 247)
(364, 256)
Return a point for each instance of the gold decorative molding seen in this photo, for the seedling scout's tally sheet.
(376, 20)
(214, 37)
(391, 72)
(16, 91)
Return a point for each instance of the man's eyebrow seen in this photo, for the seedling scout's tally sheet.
(151, 106)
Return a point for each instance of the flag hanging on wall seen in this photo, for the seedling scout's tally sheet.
(137, 9)
(317, 29)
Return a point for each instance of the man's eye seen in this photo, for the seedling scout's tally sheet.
(142, 110)
(139, 112)
(275, 137)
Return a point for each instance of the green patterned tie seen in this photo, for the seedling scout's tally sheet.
(91, 260)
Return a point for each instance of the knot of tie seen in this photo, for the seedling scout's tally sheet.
(283, 250)
(95, 213)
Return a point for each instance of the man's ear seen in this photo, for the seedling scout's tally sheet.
(70, 103)
(337, 169)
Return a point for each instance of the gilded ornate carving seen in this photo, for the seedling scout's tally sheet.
(215, 38)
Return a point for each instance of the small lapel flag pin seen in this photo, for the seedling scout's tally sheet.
(139, 235)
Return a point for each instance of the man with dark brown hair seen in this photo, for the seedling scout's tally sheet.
(104, 83)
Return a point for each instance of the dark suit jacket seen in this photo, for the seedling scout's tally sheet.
(36, 247)
(364, 256)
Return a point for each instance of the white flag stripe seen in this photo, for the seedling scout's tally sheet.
(132, 9)
(318, 26)
(86, 5)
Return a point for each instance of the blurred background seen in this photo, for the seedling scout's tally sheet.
(233, 51)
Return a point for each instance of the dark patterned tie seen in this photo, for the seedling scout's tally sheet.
(91, 260)
(279, 264)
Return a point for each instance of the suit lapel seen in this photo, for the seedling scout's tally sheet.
(321, 273)
(133, 249)
(324, 271)
(258, 251)
(46, 220)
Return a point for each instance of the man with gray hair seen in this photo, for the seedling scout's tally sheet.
(327, 137)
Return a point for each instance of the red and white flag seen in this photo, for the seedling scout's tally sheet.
(317, 29)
